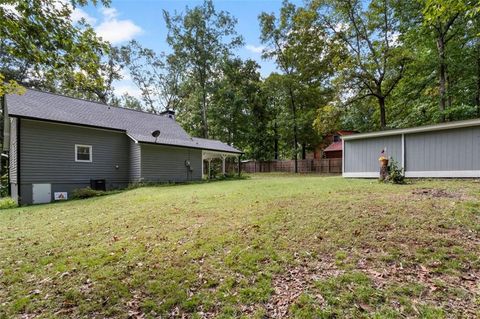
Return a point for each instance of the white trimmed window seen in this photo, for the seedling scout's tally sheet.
(83, 153)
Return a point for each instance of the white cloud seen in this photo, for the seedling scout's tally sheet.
(114, 30)
(109, 13)
(78, 14)
(254, 49)
(123, 87)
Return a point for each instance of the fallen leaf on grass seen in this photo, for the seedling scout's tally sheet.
(364, 307)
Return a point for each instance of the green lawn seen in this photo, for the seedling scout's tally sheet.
(270, 246)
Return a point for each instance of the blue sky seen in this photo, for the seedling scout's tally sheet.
(143, 20)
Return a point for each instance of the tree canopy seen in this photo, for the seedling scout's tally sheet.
(341, 64)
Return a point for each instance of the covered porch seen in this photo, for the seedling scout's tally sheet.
(209, 156)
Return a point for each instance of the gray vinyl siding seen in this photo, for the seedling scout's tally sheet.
(167, 164)
(135, 162)
(48, 154)
(13, 150)
(447, 150)
(362, 155)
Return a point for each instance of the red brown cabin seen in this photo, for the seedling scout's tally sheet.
(331, 147)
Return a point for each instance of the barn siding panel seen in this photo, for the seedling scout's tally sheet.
(362, 155)
(448, 150)
(167, 164)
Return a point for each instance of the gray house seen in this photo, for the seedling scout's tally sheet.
(443, 150)
(58, 144)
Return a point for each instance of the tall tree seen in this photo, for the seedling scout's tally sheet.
(441, 17)
(41, 45)
(200, 38)
(299, 45)
(156, 75)
(275, 34)
(376, 60)
(238, 114)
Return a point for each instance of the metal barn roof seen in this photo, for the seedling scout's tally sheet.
(418, 129)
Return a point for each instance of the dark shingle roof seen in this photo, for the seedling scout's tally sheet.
(138, 125)
(214, 145)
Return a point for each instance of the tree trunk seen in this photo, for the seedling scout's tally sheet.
(275, 140)
(304, 151)
(448, 87)
(383, 116)
(477, 97)
(442, 75)
(295, 129)
(204, 112)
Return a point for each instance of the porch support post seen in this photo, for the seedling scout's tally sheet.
(223, 164)
(203, 159)
(239, 165)
(209, 170)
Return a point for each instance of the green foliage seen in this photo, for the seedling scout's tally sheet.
(156, 75)
(302, 81)
(201, 38)
(42, 47)
(343, 64)
(4, 185)
(10, 87)
(7, 202)
(237, 111)
(395, 173)
(374, 62)
(87, 192)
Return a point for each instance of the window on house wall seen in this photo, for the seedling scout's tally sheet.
(83, 153)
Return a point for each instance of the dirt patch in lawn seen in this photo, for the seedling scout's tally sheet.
(295, 281)
(453, 293)
(439, 193)
(323, 280)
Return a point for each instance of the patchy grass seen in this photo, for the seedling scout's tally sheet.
(271, 246)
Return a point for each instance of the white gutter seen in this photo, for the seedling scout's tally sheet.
(419, 129)
(136, 142)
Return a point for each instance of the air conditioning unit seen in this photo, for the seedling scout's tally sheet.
(98, 184)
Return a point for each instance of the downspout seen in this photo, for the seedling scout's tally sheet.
(5, 142)
(343, 157)
(19, 194)
(6, 124)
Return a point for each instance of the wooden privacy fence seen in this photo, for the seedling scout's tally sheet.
(324, 165)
